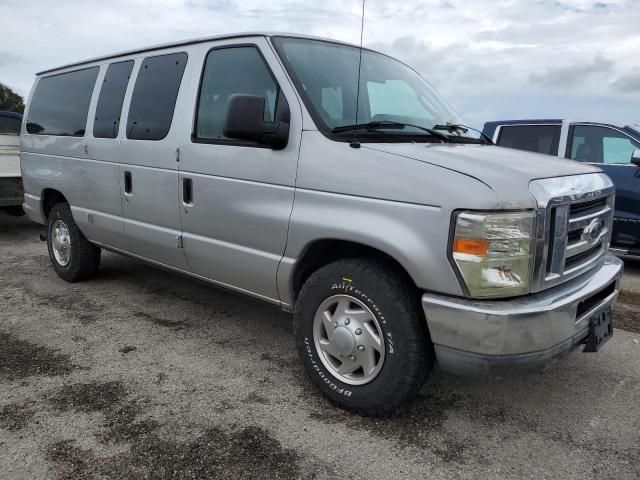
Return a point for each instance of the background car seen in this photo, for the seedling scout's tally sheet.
(11, 192)
(610, 147)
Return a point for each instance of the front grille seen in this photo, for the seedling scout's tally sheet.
(572, 247)
(575, 218)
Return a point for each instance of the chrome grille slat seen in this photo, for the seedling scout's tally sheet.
(577, 248)
(587, 205)
(585, 263)
(558, 239)
(584, 220)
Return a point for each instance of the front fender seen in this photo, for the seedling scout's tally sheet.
(416, 236)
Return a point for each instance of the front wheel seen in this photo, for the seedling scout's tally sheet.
(72, 255)
(362, 337)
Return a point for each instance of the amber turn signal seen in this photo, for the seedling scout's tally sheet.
(471, 247)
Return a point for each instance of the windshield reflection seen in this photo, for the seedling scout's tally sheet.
(327, 75)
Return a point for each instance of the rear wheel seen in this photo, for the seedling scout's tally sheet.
(362, 336)
(72, 255)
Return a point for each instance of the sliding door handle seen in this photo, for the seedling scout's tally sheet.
(187, 191)
(128, 183)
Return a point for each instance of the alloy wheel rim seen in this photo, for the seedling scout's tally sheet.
(348, 339)
(61, 243)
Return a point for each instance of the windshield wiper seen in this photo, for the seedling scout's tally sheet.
(387, 124)
(456, 127)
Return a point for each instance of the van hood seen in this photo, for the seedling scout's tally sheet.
(507, 171)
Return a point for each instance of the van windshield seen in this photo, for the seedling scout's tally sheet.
(326, 74)
(9, 125)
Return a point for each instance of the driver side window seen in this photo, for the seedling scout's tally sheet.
(228, 71)
(595, 144)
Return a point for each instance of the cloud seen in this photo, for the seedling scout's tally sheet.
(487, 57)
(628, 83)
(8, 58)
(575, 74)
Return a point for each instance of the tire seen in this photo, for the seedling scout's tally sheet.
(405, 348)
(16, 211)
(81, 258)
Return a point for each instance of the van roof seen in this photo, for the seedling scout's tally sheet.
(192, 41)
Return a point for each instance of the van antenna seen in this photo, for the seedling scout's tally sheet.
(355, 143)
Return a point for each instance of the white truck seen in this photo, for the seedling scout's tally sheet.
(11, 192)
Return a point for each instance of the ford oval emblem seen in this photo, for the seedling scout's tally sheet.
(592, 232)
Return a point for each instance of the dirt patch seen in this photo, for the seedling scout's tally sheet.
(86, 319)
(20, 359)
(626, 318)
(247, 453)
(88, 397)
(83, 307)
(422, 424)
(281, 362)
(122, 425)
(121, 415)
(629, 297)
(450, 450)
(71, 462)
(627, 312)
(255, 397)
(176, 325)
(412, 426)
(15, 417)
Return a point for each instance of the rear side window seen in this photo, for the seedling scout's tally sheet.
(9, 125)
(228, 71)
(60, 103)
(154, 96)
(114, 87)
(533, 138)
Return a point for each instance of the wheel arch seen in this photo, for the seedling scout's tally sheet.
(321, 252)
(49, 198)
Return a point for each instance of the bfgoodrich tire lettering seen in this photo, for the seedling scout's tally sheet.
(393, 300)
(83, 257)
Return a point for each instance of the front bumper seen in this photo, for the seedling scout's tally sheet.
(501, 338)
(11, 192)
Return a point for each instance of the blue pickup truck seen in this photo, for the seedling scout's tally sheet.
(615, 149)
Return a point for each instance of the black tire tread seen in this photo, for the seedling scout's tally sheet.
(396, 290)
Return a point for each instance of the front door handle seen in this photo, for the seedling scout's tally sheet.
(128, 183)
(187, 191)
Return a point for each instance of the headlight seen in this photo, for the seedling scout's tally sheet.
(494, 253)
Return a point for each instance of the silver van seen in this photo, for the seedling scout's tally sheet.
(258, 162)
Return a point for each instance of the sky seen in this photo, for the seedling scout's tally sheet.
(491, 59)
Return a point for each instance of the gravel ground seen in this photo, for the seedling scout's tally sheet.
(144, 374)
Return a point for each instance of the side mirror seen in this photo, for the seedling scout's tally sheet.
(635, 158)
(245, 121)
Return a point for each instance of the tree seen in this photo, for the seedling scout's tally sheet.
(10, 100)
